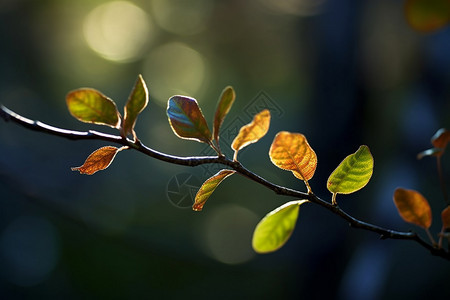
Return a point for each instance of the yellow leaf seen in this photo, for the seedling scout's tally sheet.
(99, 160)
(413, 207)
(252, 132)
(291, 151)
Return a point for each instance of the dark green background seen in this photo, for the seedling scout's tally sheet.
(344, 73)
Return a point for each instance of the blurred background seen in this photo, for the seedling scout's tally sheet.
(344, 73)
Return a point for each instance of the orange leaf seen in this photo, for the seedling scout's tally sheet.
(413, 207)
(446, 218)
(441, 138)
(291, 151)
(252, 132)
(99, 160)
(427, 15)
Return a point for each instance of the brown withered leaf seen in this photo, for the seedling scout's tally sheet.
(441, 138)
(413, 207)
(99, 160)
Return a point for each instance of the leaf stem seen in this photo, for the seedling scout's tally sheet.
(210, 143)
(433, 242)
(333, 199)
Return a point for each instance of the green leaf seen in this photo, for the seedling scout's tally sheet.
(352, 174)
(273, 231)
(187, 120)
(223, 107)
(208, 188)
(90, 106)
(136, 103)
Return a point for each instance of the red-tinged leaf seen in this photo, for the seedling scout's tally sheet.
(445, 215)
(441, 138)
(136, 103)
(187, 120)
(223, 107)
(91, 106)
(252, 132)
(427, 15)
(291, 151)
(208, 188)
(413, 207)
(99, 160)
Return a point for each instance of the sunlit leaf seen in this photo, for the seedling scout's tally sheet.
(187, 120)
(137, 101)
(427, 15)
(208, 188)
(441, 138)
(99, 160)
(91, 106)
(273, 231)
(252, 132)
(413, 207)
(352, 174)
(291, 151)
(223, 107)
(445, 215)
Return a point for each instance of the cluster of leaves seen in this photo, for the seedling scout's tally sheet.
(413, 207)
(289, 151)
(91, 106)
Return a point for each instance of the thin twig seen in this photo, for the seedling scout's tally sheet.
(442, 180)
(384, 233)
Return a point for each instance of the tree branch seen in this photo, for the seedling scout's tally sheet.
(384, 233)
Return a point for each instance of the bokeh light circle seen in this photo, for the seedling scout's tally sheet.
(228, 234)
(118, 31)
(174, 69)
(180, 16)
